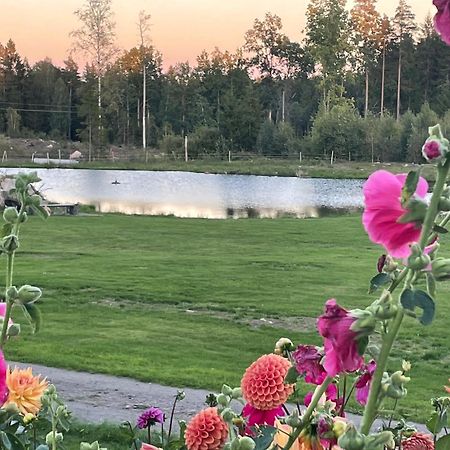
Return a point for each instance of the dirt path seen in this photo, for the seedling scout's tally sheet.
(97, 398)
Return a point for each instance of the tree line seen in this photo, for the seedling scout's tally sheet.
(359, 82)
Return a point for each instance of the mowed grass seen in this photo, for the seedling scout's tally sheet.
(180, 301)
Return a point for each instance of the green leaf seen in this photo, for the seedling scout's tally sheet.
(439, 229)
(33, 315)
(417, 211)
(291, 376)
(6, 443)
(40, 211)
(411, 299)
(6, 230)
(412, 180)
(379, 280)
(443, 443)
(431, 284)
(264, 438)
(363, 342)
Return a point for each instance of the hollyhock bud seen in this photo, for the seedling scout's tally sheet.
(351, 439)
(10, 214)
(283, 345)
(433, 150)
(440, 268)
(436, 146)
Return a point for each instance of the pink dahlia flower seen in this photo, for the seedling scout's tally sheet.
(363, 383)
(263, 382)
(307, 360)
(442, 19)
(340, 343)
(206, 431)
(383, 208)
(418, 441)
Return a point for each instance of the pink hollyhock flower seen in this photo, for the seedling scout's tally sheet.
(363, 383)
(340, 343)
(442, 19)
(3, 385)
(433, 150)
(3, 312)
(383, 208)
(307, 360)
(418, 441)
(256, 416)
(149, 447)
(330, 394)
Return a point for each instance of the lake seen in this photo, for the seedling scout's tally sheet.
(186, 194)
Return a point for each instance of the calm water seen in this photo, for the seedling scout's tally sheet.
(186, 194)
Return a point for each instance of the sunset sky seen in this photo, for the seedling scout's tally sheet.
(181, 29)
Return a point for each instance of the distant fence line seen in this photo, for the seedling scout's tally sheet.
(63, 157)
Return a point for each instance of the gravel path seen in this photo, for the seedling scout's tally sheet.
(97, 398)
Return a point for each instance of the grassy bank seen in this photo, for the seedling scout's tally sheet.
(194, 302)
(257, 166)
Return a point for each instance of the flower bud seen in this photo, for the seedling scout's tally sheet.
(228, 414)
(10, 214)
(418, 262)
(339, 426)
(440, 268)
(236, 393)
(33, 200)
(226, 390)
(379, 441)
(11, 293)
(246, 443)
(10, 243)
(351, 439)
(28, 418)
(283, 345)
(223, 400)
(29, 294)
(57, 438)
(406, 366)
(436, 146)
(293, 420)
(434, 150)
(239, 421)
(14, 330)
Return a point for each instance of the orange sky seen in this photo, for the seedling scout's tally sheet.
(181, 28)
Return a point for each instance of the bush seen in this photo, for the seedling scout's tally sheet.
(172, 145)
(277, 140)
(206, 141)
(339, 129)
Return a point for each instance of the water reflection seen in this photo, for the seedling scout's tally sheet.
(185, 194)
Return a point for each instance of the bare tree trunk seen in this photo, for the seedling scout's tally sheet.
(99, 106)
(144, 102)
(283, 103)
(366, 104)
(399, 82)
(383, 70)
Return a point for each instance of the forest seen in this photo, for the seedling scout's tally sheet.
(359, 84)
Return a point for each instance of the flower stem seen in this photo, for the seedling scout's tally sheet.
(8, 311)
(320, 390)
(371, 409)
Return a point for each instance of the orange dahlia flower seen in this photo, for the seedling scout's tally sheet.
(25, 389)
(206, 431)
(263, 382)
(418, 441)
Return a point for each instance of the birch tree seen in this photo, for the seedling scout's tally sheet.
(95, 39)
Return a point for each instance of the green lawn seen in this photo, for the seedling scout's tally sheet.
(179, 301)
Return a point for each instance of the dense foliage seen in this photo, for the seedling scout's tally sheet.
(359, 84)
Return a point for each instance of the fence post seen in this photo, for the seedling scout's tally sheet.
(186, 157)
(349, 156)
(5, 156)
(59, 155)
(48, 158)
(229, 156)
(300, 156)
(332, 157)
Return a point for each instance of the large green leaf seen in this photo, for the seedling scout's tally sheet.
(443, 443)
(411, 299)
(412, 180)
(33, 315)
(378, 281)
